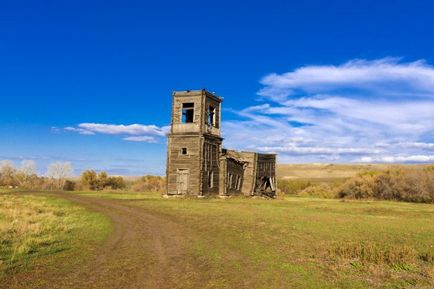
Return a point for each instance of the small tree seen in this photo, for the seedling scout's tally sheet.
(89, 180)
(58, 172)
(103, 180)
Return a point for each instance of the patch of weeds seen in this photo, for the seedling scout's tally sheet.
(370, 252)
(357, 265)
(402, 267)
(35, 227)
(427, 257)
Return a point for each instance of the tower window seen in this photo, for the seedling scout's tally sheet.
(211, 116)
(210, 179)
(187, 112)
(184, 151)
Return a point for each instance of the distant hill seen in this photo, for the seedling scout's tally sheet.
(322, 172)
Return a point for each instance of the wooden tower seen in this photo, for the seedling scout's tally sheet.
(194, 144)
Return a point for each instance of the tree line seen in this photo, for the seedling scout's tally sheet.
(58, 177)
(25, 176)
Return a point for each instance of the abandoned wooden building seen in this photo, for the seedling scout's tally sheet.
(197, 165)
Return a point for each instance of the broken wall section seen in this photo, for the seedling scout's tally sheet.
(265, 183)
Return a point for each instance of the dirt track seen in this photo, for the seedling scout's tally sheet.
(145, 250)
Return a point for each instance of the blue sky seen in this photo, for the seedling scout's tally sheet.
(315, 81)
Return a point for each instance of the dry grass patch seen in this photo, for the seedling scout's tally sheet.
(33, 228)
(370, 252)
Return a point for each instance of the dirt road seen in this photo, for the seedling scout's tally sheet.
(145, 250)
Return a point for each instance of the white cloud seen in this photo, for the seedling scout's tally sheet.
(421, 145)
(132, 129)
(148, 139)
(382, 109)
(291, 148)
(400, 159)
(131, 132)
(79, 130)
(387, 75)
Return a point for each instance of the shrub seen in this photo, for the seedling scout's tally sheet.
(411, 185)
(102, 181)
(149, 184)
(361, 186)
(115, 183)
(319, 191)
(292, 187)
(90, 180)
(69, 185)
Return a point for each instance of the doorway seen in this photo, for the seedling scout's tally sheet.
(182, 181)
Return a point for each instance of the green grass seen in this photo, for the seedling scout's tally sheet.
(292, 243)
(118, 195)
(42, 232)
(304, 242)
(6, 190)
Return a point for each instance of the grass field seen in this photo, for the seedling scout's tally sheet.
(238, 243)
(40, 232)
(305, 242)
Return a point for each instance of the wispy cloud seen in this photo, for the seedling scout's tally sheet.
(388, 76)
(131, 129)
(131, 132)
(380, 110)
(400, 159)
(79, 130)
(148, 139)
(419, 145)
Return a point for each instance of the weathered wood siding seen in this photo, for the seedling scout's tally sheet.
(249, 172)
(211, 165)
(177, 126)
(234, 177)
(249, 178)
(191, 161)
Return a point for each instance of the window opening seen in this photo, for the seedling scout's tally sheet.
(187, 112)
(211, 116)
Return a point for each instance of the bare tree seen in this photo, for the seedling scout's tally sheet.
(58, 172)
(7, 174)
(28, 167)
(27, 174)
